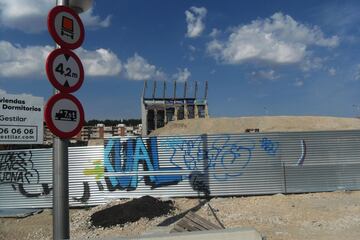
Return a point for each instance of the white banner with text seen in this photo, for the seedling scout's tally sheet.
(21, 119)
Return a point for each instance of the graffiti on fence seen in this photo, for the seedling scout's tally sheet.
(123, 160)
(188, 159)
(269, 146)
(98, 172)
(46, 190)
(17, 167)
(199, 182)
(303, 153)
(224, 158)
(125, 157)
(130, 164)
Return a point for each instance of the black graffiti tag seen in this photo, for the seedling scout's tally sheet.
(46, 190)
(17, 167)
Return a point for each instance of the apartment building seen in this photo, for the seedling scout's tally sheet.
(99, 131)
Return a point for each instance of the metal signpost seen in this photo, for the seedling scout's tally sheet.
(63, 112)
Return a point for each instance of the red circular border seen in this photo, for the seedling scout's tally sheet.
(51, 27)
(51, 76)
(49, 121)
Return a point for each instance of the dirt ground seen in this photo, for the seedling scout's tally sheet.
(331, 215)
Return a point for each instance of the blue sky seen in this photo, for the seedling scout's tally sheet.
(259, 57)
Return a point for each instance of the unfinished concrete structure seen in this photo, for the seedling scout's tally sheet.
(157, 111)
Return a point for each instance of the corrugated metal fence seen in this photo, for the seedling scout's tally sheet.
(215, 165)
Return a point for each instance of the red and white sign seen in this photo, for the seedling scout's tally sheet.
(65, 27)
(64, 70)
(64, 115)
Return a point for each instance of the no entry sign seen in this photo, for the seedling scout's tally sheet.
(64, 115)
(65, 27)
(64, 70)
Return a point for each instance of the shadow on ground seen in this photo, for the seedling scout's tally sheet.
(132, 211)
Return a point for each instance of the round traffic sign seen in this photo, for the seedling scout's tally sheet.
(64, 115)
(65, 27)
(64, 70)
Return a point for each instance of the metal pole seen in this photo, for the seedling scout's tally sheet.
(185, 89)
(144, 90)
(164, 90)
(206, 90)
(154, 90)
(196, 89)
(61, 228)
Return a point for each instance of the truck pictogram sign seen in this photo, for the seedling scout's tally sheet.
(64, 115)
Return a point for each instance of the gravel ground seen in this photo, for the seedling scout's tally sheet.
(332, 215)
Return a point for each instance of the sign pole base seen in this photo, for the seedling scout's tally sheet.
(61, 229)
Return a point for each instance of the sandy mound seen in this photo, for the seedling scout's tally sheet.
(264, 124)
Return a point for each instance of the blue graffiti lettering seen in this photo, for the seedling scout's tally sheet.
(269, 146)
(147, 156)
(222, 158)
(190, 151)
(162, 180)
(231, 159)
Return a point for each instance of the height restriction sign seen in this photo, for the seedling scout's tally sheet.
(64, 70)
(65, 27)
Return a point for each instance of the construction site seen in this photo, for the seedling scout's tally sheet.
(161, 120)
(157, 111)
(265, 177)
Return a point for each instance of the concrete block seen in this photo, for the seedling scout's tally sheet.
(224, 234)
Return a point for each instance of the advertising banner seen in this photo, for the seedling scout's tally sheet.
(21, 119)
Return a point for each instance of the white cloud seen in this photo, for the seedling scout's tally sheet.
(215, 33)
(357, 73)
(312, 63)
(192, 48)
(101, 62)
(191, 53)
(3, 92)
(278, 39)
(194, 19)
(137, 68)
(265, 74)
(30, 15)
(332, 71)
(19, 62)
(94, 21)
(182, 75)
(299, 83)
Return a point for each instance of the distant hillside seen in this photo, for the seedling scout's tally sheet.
(264, 124)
